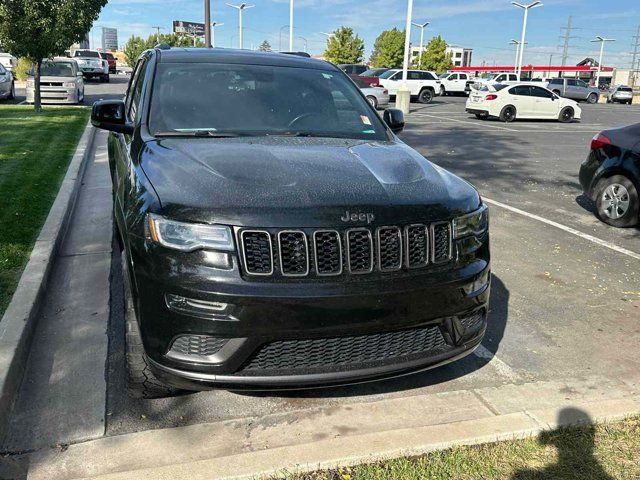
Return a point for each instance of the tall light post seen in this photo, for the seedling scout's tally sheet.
(158, 28)
(403, 95)
(602, 41)
(526, 9)
(421, 26)
(280, 37)
(517, 44)
(240, 8)
(291, 25)
(213, 32)
(207, 23)
(306, 43)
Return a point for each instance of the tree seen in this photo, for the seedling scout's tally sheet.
(344, 47)
(265, 46)
(41, 29)
(388, 51)
(435, 56)
(136, 45)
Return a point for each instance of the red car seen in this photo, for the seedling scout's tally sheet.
(110, 59)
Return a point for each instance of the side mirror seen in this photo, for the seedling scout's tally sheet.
(110, 115)
(78, 74)
(394, 119)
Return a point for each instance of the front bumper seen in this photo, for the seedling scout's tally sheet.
(54, 95)
(303, 334)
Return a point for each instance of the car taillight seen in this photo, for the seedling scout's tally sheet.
(375, 84)
(599, 141)
(491, 97)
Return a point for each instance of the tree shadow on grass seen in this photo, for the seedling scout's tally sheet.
(575, 444)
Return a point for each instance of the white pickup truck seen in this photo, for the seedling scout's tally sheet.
(504, 79)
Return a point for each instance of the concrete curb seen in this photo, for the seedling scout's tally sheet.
(19, 320)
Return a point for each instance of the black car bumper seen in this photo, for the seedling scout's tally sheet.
(475, 111)
(228, 332)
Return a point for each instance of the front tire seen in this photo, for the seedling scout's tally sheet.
(617, 202)
(592, 98)
(141, 381)
(12, 91)
(566, 115)
(508, 114)
(373, 101)
(425, 96)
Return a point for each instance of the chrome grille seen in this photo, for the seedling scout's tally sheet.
(441, 242)
(323, 253)
(196, 346)
(257, 252)
(359, 250)
(389, 249)
(417, 245)
(327, 248)
(294, 253)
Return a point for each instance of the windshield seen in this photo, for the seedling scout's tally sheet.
(57, 69)
(259, 100)
(388, 73)
(373, 72)
(86, 54)
(443, 75)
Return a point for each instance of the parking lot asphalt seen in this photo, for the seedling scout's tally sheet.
(566, 289)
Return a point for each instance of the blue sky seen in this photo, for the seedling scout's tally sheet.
(487, 26)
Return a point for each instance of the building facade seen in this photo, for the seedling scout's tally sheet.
(461, 57)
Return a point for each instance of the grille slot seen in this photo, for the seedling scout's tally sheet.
(196, 346)
(359, 250)
(327, 248)
(441, 242)
(294, 253)
(417, 246)
(343, 353)
(389, 248)
(257, 252)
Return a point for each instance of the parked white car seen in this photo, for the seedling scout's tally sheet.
(424, 85)
(508, 102)
(7, 85)
(504, 79)
(454, 82)
(8, 61)
(60, 82)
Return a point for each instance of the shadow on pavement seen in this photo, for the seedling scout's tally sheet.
(575, 447)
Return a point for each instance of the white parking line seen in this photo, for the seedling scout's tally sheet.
(590, 238)
(502, 368)
(484, 124)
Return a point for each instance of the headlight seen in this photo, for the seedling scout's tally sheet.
(69, 84)
(475, 223)
(188, 237)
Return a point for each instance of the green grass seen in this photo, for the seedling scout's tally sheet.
(35, 150)
(601, 452)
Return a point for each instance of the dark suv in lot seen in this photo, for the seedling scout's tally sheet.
(276, 233)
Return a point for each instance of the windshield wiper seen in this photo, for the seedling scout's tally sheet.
(198, 133)
(308, 134)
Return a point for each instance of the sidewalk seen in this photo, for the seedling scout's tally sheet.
(63, 394)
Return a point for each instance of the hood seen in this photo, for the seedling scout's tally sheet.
(302, 182)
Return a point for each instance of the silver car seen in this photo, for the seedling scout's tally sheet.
(60, 82)
(378, 97)
(620, 94)
(7, 86)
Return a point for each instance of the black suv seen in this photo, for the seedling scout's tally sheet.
(276, 233)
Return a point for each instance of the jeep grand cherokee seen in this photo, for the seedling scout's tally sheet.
(276, 233)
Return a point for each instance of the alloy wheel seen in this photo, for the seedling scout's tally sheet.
(615, 199)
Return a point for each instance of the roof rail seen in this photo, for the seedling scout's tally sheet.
(163, 46)
(298, 54)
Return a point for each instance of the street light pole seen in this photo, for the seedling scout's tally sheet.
(291, 25)
(306, 43)
(240, 9)
(526, 9)
(213, 32)
(207, 23)
(602, 41)
(517, 44)
(421, 26)
(403, 95)
(280, 37)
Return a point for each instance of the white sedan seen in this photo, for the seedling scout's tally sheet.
(508, 102)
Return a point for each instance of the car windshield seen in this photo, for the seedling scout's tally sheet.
(373, 72)
(256, 100)
(57, 69)
(625, 89)
(86, 54)
(388, 74)
(443, 75)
